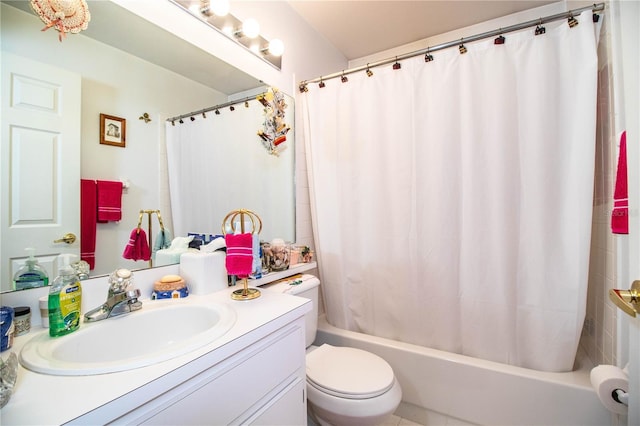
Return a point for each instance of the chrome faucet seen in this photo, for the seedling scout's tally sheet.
(122, 297)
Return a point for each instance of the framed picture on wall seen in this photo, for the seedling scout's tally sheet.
(113, 130)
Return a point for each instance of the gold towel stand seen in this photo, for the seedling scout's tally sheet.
(150, 213)
(229, 223)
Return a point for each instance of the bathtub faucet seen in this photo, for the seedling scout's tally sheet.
(121, 299)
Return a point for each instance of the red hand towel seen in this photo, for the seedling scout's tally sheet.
(239, 260)
(88, 204)
(138, 247)
(109, 201)
(620, 213)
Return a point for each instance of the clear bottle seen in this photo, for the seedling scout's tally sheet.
(65, 300)
(31, 274)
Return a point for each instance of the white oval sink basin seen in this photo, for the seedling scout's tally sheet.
(161, 330)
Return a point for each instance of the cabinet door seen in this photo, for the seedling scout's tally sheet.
(288, 408)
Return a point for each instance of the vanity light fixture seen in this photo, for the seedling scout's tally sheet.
(246, 33)
(250, 28)
(220, 7)
(275, 48)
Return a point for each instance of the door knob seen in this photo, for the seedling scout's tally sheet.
(68, 238)
(627, 300)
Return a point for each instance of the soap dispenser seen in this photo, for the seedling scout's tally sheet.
(65, 299)
(31, 274)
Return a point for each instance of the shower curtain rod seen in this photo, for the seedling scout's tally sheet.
(564, 15)
(214, 108)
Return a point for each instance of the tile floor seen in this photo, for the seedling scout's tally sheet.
(399, 421)
(393, 421)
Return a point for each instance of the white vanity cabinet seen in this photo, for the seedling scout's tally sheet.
(262, 384)
(253, 374)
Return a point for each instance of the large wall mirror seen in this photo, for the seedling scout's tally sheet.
(123, 70)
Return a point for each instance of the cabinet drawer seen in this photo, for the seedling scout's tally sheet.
(220, 396)
(288, 408)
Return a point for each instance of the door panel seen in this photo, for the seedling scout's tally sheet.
(40, 163)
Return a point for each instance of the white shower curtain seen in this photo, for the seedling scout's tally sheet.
(452, 199)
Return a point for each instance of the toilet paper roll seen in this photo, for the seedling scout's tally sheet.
(605, 379)
(204, 272)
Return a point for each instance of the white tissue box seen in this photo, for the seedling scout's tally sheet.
(204, 272)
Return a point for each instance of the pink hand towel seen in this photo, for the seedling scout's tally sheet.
(620, 213)
(138, 247)
(239, 258)
(88, 221)
(109, 201)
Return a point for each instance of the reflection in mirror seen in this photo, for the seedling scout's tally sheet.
(220, 153)
(123, 76)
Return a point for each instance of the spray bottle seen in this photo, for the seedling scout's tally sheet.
(65, 299)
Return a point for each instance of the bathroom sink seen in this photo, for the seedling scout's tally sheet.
(161, 330)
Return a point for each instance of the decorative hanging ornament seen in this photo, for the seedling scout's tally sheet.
(65, 16)
(274, 129)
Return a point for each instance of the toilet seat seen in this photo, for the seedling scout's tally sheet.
(348, 372)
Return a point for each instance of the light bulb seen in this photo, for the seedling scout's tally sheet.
(220, 7)
(276, 47)
(251, 28)
(228, 30)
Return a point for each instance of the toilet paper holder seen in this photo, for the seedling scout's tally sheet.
(627, 300)
(620, 396)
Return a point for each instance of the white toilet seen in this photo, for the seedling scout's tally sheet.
(345, 386)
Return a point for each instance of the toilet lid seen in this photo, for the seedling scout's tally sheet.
(348, 372)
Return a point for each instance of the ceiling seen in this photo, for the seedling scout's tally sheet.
(360, 28)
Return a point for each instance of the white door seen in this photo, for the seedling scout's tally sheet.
(628, 16)
(39, 163)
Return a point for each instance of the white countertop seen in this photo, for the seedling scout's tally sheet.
(46, 399)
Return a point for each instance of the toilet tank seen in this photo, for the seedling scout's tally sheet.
(306, 286)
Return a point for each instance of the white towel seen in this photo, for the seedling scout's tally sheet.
(257, 259)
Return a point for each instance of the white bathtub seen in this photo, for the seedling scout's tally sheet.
(439, 387)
